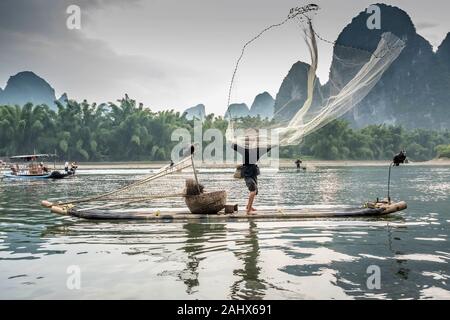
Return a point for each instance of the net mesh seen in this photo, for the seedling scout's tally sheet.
(353, 75)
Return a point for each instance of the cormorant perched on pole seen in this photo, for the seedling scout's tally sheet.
(399, 158)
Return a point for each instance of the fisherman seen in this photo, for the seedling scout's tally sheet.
(250, 169)
(298, 163)
(66, 166)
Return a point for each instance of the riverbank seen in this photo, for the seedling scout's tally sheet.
(284, 163)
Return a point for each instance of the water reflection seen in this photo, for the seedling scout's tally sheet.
(315, 258)
(249, 285)
(21, 223)
(200, 238)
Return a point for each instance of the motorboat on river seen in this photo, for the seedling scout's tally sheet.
(32, 167)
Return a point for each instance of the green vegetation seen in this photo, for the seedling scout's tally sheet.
(443, 151)
(337, 141)
(130, 132)
(82, 131)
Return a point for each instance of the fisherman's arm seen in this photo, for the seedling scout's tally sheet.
(238, 148)
(263, 151)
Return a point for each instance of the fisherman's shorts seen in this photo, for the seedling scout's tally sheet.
(252, 184)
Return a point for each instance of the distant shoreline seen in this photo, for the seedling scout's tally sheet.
(284, 163)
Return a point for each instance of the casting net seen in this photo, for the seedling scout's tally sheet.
(353, 75)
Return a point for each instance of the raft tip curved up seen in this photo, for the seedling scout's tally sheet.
(46, 204)
(59, 210)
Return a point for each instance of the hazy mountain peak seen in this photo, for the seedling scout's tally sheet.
(293, 92)
(27, 87)
(262, 106)
(393, 19)
(237, 110)
(197, 112)
(414, 92)
(444, 47)
(63, 99)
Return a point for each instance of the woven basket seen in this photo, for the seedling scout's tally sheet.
(206, 203)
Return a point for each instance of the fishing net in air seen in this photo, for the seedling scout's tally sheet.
(353, 75)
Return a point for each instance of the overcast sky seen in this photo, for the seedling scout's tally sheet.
(176, 54)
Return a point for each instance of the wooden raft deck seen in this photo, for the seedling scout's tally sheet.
(155, 215)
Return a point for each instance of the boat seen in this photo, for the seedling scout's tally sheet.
(374, 209)
(32, 167)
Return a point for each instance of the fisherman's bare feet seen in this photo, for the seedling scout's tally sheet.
(251, 211)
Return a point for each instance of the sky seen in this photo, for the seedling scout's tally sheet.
(176, 54)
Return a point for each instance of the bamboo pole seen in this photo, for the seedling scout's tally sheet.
(195, 173)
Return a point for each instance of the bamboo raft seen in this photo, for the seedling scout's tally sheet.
(202, 205)
(376, 209)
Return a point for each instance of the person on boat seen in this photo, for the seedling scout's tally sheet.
(73, 167)
(14, 170)
(33, 169)
(250, 169)
(66, 166)
(44, 168)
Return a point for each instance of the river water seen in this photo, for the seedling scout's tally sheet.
(403, 256)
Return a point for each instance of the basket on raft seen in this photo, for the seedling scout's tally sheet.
(206, 203)
(200, 202)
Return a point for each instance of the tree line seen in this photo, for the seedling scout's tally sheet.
(126, 131)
